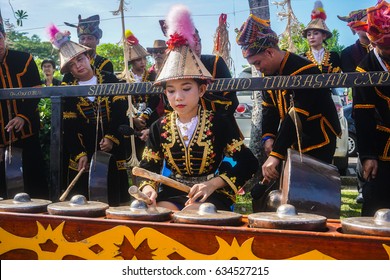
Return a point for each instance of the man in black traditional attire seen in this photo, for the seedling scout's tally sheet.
(314, 107)
(372, 115)
(19, 119)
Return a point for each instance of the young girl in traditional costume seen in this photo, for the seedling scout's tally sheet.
(192, 141)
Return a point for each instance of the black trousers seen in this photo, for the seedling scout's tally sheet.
(376, 192)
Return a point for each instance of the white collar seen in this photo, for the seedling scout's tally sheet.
(318, 55)
(380, 60)
(187, 129)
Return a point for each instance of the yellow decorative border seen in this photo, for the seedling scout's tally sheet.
(121, 242)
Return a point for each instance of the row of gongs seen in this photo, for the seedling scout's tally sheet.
(286, 216)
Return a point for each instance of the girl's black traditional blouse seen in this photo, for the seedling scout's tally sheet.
(214, 138)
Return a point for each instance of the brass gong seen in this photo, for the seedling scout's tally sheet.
(378, 225)
(78, 206)
(207, 214)
(138, 210)
(286, 217)
(22, 203)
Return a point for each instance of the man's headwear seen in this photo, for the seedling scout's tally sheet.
(318, 17)
(354, 20)
(158, 45)
(378, 20)
(255, 36)
(354, 15)
(67, 48)
(163, 27)
(2, 30)
(135, 49)
(182, 62)
(88, 26)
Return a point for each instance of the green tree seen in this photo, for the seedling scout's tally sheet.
(114, 53)
(21, 42)
(20, 16)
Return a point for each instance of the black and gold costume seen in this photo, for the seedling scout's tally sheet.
(225, 102)
(351, 56)
(372, 120)
(18, 69)
(315, 108)
(330, 63)
(214, 138)
(102, 63)
(80, 116)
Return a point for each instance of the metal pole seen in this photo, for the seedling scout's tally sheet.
(56, 148)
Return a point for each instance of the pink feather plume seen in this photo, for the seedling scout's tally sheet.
(51, 31)
(179, 21)
(57, 38)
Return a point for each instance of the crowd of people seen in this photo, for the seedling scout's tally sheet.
(188, 130)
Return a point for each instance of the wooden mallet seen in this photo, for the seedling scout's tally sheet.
(141, 172)
(71, 185)
(137, 194)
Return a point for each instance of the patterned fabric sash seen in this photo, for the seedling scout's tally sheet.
(190, 181)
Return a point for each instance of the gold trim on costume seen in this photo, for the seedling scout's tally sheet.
(265, 104)
(314, 117)
(359, 69)
(303, 112)
(229, 181)
(286, 55)
(268, 134)
(153, 184)
(236, 145)
(119, 97)
(277, 155)
(149, 155)
(364, 106)
(19, 75)
(80, 155)
(69, 115)
(121, 164)
(324, 62)
(381, 95)
(112, 138)
(327, 141)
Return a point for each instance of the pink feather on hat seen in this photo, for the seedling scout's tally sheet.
(57, 38)
(180, 23)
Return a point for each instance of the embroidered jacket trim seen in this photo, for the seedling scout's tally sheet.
(112, 138)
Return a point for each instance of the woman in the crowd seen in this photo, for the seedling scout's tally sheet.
(316, 33)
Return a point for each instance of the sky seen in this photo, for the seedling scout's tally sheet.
(142, 18)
